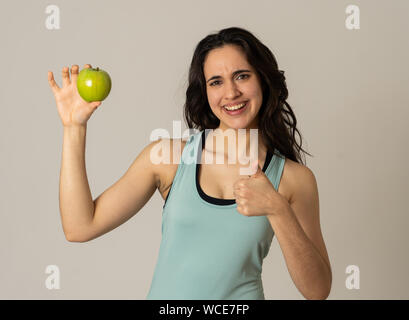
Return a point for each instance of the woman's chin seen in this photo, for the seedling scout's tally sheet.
(238, 124)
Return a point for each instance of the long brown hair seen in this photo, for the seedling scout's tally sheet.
(277, 122)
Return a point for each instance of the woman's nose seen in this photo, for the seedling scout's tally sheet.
(231, 90)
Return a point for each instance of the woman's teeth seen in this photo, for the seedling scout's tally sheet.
(235, 107)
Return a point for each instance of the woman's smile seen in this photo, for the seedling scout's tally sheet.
(235, 112)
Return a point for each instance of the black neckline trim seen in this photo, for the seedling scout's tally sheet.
(208, 198)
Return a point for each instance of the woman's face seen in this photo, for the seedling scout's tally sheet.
(224, 87)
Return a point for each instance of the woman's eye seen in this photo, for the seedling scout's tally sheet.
(243, 75)
(246, 75)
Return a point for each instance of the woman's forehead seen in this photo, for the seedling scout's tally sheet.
(226, 56)
(228, 66)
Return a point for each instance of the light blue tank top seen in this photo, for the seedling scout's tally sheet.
(209, 250)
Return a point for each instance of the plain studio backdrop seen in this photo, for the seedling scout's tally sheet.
(348, 89)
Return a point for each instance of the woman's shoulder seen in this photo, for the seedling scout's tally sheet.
(171, 150)
(293, 175)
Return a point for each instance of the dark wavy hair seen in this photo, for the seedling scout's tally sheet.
(277, 122)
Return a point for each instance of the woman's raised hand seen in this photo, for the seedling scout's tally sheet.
(73, 110)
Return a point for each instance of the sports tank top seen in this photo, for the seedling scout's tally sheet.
(208, 250)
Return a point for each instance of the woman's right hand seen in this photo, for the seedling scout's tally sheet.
(73, 110)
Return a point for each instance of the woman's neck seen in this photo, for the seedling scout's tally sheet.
(235, 145)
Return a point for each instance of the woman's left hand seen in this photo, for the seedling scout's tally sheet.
(255, 195)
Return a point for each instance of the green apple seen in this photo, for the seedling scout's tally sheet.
(93, 84)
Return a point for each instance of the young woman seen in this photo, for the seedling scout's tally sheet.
(217, 224)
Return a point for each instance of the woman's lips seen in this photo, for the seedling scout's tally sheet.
(236, 112)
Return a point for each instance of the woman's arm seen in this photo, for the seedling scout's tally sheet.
(122, 200)
(297, 228)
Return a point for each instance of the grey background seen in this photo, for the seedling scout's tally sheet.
(348, 89)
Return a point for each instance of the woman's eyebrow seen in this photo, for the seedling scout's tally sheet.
(234, 73)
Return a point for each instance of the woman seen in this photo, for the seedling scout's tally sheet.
(218, 224)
